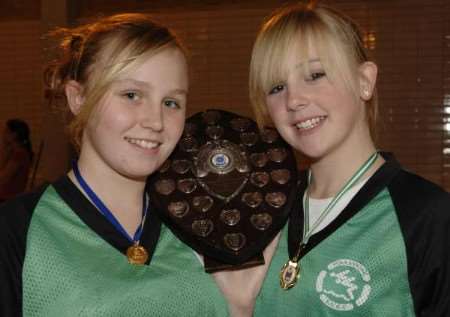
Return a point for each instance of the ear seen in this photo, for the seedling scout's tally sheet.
(367, 79)
(75, 98)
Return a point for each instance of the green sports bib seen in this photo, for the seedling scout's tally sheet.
(359, 270)
(71, 271)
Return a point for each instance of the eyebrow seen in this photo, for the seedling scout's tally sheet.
(301, 64)
(179, 91)
(145, 85)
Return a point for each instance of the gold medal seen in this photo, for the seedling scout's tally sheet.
(289, 274)
(137, 254)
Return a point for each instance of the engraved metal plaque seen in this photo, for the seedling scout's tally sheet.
(202, 227)
(249, 138)
(230, 216)
(202, 203)
(280, 176)
(269, 135)
(242, 166)
(253, 199)
(240, 124)
(259, 159)
(235, 241)
(277, 154)
(181, 166)
(214, 132)
(165, 186)
(277, 199)
(261, 221)
(178, 208)
(189, 144)
(187, 185)
(259, 179)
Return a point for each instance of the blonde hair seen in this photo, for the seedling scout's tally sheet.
(336, 38)
(97, 53)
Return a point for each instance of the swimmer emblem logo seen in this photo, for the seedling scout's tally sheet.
(344, 285)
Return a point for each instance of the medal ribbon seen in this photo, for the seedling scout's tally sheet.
(105, 210)
(307, 232)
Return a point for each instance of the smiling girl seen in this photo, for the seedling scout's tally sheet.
(88, 245)
(368, 238)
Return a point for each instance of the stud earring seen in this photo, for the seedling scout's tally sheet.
(366, 92)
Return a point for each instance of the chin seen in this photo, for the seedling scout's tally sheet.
(142, 171)
(310, 152)
(140, 177)
(148, 170)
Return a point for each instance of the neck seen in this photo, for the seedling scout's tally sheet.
(121, 195)
(330, 173)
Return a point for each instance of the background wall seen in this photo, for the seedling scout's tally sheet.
(409, 39)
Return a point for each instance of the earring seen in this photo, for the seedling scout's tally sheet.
(366, 92)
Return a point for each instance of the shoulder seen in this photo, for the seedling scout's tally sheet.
(422, 208)
(16, 213)
(411, 192)
(15, 217)
(423, 213)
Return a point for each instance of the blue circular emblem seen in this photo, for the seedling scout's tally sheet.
(220, 160)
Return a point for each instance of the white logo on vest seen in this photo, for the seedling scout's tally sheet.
(343, 285)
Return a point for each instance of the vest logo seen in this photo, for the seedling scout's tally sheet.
(344, 285)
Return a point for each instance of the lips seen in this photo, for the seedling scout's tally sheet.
(143, 143)
(310, 123)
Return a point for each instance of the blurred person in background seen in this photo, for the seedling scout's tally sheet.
(16, 155)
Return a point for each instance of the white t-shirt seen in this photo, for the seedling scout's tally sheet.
(317, 206)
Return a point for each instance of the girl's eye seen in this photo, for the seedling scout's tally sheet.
(131, 95)
(276, 89)
(315, 76)
(171, 104)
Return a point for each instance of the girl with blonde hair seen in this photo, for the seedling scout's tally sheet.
(88, 245)
(368, 238)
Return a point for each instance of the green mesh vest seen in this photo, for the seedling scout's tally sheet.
(71, 271)
(356, 271)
